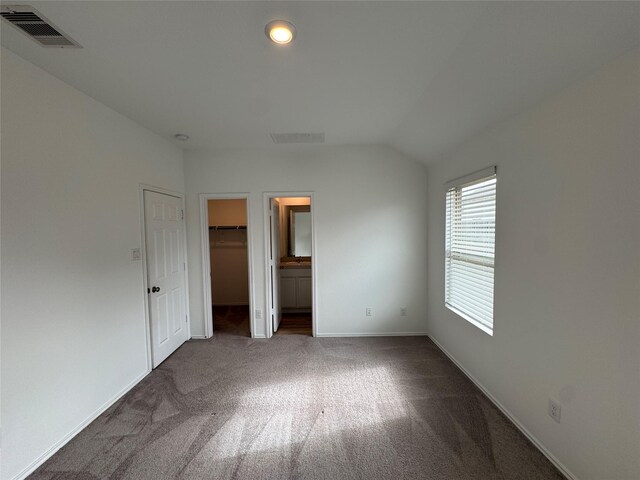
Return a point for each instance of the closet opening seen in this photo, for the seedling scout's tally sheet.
(227, 291)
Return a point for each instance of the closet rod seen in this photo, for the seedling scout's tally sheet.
(238, 227)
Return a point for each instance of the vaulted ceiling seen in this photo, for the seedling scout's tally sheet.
(418, 76)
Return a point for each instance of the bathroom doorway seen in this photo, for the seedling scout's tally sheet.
(290, 264)
(226, 266)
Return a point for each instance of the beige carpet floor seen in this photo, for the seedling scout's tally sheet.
(297, 407)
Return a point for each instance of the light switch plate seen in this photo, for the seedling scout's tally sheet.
(135, 254)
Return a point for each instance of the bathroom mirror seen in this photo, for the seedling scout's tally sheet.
(299, 231)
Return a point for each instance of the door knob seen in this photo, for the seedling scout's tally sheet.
(155, 289)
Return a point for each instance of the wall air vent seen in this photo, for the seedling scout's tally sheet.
(33, 24)
(297, 137)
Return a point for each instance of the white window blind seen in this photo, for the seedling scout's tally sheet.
(470, 247)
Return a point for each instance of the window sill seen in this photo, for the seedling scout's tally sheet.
(471, 320)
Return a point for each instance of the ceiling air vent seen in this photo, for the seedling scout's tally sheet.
(33, 24)
(297, 137)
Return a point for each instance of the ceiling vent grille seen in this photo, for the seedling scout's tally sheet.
(297, 137)
(33, 24)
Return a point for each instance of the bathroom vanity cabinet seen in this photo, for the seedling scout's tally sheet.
(295, 288)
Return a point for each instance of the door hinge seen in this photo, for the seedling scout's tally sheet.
(182, 213)
(186, 319)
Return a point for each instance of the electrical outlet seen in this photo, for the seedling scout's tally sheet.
(368, 312)
(555, 409)
(258, 314)
(403, 311)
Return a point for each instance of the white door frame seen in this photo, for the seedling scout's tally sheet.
(143, 250)
(206, 260)
(267, 196)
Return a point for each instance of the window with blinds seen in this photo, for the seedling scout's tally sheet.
(470, 247)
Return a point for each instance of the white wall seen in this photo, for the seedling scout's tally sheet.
(73, 327)
(567, 292)
(369, 208)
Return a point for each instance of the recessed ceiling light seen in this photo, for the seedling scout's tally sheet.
(280, 32)
(181, 136)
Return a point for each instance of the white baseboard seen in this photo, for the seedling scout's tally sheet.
(374, 334)
(64, 440)
(563, 469)
(204, 337)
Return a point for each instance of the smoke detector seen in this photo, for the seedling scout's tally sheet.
(30, 22)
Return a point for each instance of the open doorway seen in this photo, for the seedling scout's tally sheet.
(226, 261)
(290, 265)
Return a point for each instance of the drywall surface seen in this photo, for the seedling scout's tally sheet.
(228, 252)
(227, 212)
(229, 267)
(567, 281)
(294, 201)
(73, 326)
(369, 210)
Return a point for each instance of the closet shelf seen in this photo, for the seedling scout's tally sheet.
(228, 227)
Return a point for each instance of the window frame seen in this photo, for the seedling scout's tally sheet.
(482, 259)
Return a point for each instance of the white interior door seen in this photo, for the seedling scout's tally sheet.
(164, 223)
(274, 263)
